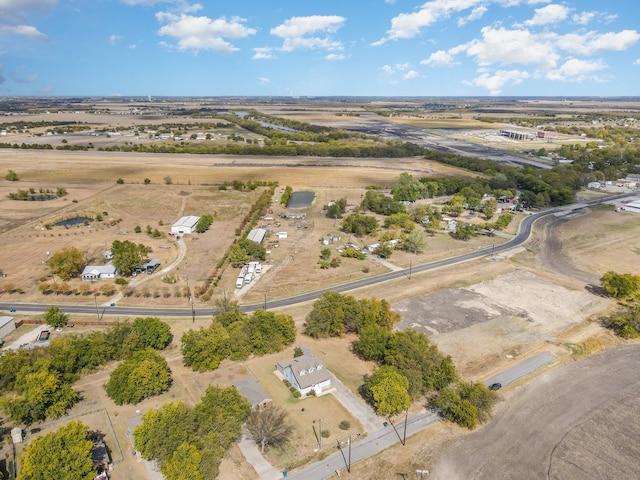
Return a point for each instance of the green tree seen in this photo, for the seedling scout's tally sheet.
(205, 348)
(143, 375)
(387, 391)
(384, 251)
(359, 225)
(327, 318)
(152, 332)
(464, 231)
(183, 464)
(456, 409)
(67, 263)
(269, 427)
(336, 208)
(120, 181)
(415, 241)
(372, 343)
(489, 208)
(204, 223)
(41, 394)
(55, 317)
(64, 454)
(163, 430)
(238, 256)
(127, 256)
(11, 176)
(620, 285)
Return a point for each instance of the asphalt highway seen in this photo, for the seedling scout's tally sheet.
(521, 237)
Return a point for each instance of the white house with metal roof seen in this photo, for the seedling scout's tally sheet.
(99, 272)
(186, 225)
(306, 373)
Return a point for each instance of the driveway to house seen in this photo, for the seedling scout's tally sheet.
(182, 251)
(252, 454)
(27, 338)
(357, 406)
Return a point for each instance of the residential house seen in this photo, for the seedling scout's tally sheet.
(306, 374)
(99, 272)
(257, 397)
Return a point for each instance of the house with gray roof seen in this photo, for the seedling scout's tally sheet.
(99, 272)
(306, 373)
(256, 396)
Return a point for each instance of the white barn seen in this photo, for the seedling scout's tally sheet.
(186, 225)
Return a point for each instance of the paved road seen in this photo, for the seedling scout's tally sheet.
(522, 369)
(372, 444)
(522, 236)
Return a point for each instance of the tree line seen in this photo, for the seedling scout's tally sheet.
(37, 384)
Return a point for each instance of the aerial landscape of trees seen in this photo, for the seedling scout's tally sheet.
(38, 384)
(236, 335)
(192, 439)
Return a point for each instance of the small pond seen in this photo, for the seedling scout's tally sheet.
(69, 222)
(301, 199)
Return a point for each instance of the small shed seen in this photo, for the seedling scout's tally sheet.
(7, 325)
(186, 225)
(257, 235)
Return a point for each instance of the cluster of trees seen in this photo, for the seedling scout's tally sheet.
(37, 384)
(65, 453)
(32, 195)
(67, 263)
(142, 375)
(380, 203)
(286, 196)
(190, 442)
(334, 315)
(336, 208)
(360, 225)
(236, 335)
(127, 256)
(626, 288)
(410, 366)
(204, 223)
(244, 251)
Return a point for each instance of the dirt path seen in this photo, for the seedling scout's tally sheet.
(551, 255)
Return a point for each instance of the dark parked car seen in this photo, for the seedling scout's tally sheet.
(495, 386)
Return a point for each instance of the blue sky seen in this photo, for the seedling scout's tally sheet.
(305, 48)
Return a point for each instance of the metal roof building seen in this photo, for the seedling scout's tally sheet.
(185, 225)
(257, 235)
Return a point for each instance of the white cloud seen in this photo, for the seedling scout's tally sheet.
(549, 14)
(583, 18)
(387, 69)
(403, 66)
(410, 74)
(114, 38)
(143, 2)
(476, 14)
(16, 77)
(591, 42)
(576, 69)
(637, 62)
(203, 33)
(263, 53)
(298, 32)
(496, 82)
(28, 31)
(264, 81)
(408, 25)
(507, 47)
(12, 11)
(335, 57)
(440, 58)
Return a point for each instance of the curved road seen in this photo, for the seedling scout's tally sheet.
(522, 236)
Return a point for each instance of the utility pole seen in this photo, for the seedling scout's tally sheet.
(320, 442)
(193, 312)
(95, 297)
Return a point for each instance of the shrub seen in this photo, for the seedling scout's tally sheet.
(344, 425)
